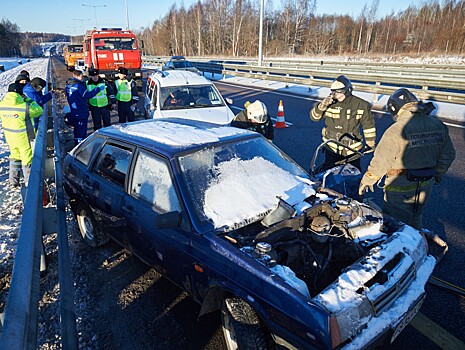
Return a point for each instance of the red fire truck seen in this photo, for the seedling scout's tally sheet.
(107, 49)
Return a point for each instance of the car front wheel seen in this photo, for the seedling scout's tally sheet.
(242, 328)
(88, 226)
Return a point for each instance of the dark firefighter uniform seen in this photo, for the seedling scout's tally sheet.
(242, 121)
(416, 143)
(346, 117)
(100, 104)
(19, 132)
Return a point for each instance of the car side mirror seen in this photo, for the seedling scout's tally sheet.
(168, 220)
(229, 101)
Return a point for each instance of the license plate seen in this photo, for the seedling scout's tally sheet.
(408, 317)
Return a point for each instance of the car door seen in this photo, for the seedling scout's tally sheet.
(152, 193)
(107, 183)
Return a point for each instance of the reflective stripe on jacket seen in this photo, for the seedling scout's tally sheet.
(15, 114)
(348, 116)
(99, 100)
(123, 90)
(416, 141)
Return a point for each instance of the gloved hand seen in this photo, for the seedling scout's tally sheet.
(367, 183)
(102, 87)
(326, 102)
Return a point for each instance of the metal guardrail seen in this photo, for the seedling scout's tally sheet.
(429, 83)
(21, 314)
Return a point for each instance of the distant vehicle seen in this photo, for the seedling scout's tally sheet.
(233, 221)
(107, 49)
(80, 65)
(179, 63)
(71, 54)
(184, 94)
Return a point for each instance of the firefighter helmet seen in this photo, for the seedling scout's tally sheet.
(342, 84)
(257, 112)
(399, 99)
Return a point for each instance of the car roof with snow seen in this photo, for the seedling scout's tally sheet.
(172, 135)
(178, 78)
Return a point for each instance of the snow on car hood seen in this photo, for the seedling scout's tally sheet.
(245, 190)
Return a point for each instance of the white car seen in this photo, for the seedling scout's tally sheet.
(186, 95)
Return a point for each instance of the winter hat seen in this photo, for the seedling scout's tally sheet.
(38, 82)
(93, 71)
(122, 70)
(22, 77)
(16, 87)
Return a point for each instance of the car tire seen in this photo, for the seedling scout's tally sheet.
(242, 328)
(88, 227)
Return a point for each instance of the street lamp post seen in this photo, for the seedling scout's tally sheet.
(127, 14)
(82, 23)
(95, 11)
(260, 38)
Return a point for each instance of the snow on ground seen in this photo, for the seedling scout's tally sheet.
(10, 198)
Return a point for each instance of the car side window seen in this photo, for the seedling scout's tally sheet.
(113, 163)
(152, 183)
(85, 153)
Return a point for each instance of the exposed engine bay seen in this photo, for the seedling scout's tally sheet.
(318, 244)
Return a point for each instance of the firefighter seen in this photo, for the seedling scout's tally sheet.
(414, 153)
(126, 95)
(33, 90)
(344, 113)
(19, 133)
(255, 117)
(77, 96)
(100, 104)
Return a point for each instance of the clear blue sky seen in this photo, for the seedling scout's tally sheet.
(69, 17)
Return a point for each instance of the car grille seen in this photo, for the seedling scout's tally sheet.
(388, 297)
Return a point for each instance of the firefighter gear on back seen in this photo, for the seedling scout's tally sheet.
(416, 141)
(17, 126)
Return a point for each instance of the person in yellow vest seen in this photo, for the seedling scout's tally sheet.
(126, 95)
(19, 131)
(101, 104)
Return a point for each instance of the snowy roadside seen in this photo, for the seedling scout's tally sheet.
(10, 199)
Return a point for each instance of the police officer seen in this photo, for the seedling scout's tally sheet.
(16, 117)
(255, 117)
(414, 152)
(100, 104)
(126, 95)
(77, 96)
(344, 113)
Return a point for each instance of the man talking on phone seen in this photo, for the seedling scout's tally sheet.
(344, 113)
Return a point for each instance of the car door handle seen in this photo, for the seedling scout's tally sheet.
(129, 209)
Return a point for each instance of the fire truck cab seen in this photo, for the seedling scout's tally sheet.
(107, 49)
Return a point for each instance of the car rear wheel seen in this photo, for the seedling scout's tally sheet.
(89, 227)
(242, 328)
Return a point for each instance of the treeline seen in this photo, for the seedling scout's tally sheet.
(231, 27)
(9, 39)
(14, 43)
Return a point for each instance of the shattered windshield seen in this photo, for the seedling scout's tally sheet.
(189, 96)
(238, 183)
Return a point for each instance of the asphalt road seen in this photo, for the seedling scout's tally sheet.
(123, 304)
(444, 213)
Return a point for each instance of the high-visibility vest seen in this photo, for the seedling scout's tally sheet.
(123, 88)
(99, 100)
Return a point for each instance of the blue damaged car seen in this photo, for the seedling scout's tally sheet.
(228, 217)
